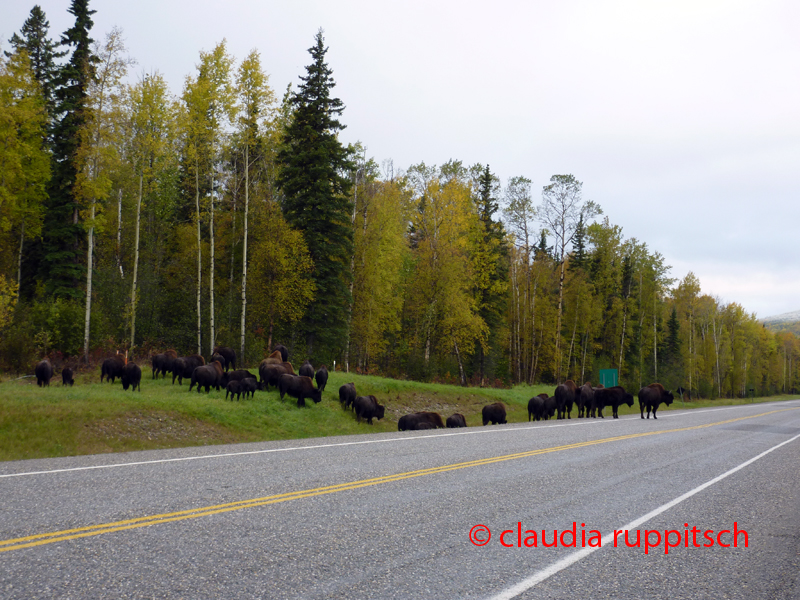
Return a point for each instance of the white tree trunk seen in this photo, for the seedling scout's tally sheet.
(199, 252)
(119, 234)
(244, 250)
(86, 325)
(211, 273)
(135, 265)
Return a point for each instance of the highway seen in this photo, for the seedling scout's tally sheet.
(389, 515)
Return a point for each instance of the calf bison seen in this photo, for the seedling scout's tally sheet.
(233, 389)
(66, 376)
(347, 395)
(131, 377)
(307, 370)
(494, 414)
(112, 368)
(43, 372)
(248, 385)
(414, 421)
(300, 387)
(651, 396)
(367, 408)
(456, 420)
(613, 397)
(237, 375)
(321, 377)
(565, 397)
(207, 376)
(228, 356)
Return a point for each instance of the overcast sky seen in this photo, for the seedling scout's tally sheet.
(681, 118)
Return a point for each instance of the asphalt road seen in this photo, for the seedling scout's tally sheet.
(389, 515)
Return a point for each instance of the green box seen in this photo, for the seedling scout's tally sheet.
(609, 377)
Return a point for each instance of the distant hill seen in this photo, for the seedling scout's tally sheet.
(786, 322)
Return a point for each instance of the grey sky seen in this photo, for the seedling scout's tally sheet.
(682, 119)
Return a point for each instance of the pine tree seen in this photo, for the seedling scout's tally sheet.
(314, 165)
(62, 265)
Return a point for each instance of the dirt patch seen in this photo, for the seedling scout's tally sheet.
(159, 427)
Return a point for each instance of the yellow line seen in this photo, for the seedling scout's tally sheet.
(92, 530)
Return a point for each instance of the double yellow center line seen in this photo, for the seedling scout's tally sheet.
(91, 530)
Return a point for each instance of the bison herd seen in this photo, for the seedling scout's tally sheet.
(277, 372)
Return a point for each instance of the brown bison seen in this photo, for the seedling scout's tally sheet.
(321, 377)
(367, 408)
(182, 368)
(536, 407)
(237, 375)
(613, 397)
(300, 387)
(66, 376)
(456, 420)
(112, 368)
(284, 352)
(274, 359)
(131, 377)
(414, 421)
(347, 395)
(233, 389)
(583, 399)
(565, 397)
(269, 374)
(228, 356)
(43, 372)
(207, 376)
(248, 385)
(494, 414)
(651, 396)
(307, 369)
(162, 363)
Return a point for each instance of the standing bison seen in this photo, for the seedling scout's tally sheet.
(207, 376)
(300, 387)
(228, 356)
(367, 408)
(131, 377)
(456, 420)
(537, 407)
(584, 397)
(66, 376)
(347, 395)
(613, 397)
(494, 414)
(651, 396)
(307, 370)
(44, 373)
(182, 368)
(321, 377)
(269, 374)
(162, 363)
(112, 368)
(565, 397)
(420, 420)
(283, 350)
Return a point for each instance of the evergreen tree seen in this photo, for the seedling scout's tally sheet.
(314, 165)
(578, 258)
(62, 266)
(41, 52)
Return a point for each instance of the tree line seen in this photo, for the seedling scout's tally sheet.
(131, 218)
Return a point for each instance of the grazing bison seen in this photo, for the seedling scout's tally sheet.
(565, 396)
(549, 407)
(207, 376)
(270, 374)
(233, 389)
(494, 414)
(162, 363)
(228, 355)
(651, 396)
(347, 394)
(321, 377)
(131, 377)
(283, 350)
(44, 373)
(112, 368)
(66, 376)
(248, 385)
(456, 420)
(182, 368)
(613, 397)
(307, 370)
(536, 407)
(414, 421)
(367, 408)
(237, 375)
(300, 387)
(584, 397)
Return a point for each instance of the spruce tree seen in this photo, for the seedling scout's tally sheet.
(316, 189)
(62, 265)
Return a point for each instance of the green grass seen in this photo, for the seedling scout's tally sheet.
(94, 418)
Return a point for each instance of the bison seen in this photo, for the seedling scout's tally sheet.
(414, 421)
(237, 375)
(248, 385)
(456, 420)
(651, 396)
(584, 396)
(44, 373)
(307, 370)
(228, 356)
(565, 396)
(494, 413)
(283, 350)
(536, 407)
(131, 377)
(613, 397)
(112, 368)
(321, 377)
(300, 387)
(274, 359)
(232, 388)
(549, 408)
(347, 394)
(367, 408)
(270, 374)
(182, 368)
(162, 363)
(207, 376)
(66, 376)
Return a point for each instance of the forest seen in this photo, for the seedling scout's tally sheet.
(135, 220)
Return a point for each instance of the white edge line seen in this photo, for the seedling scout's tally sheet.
(403, 439)
(607, 539)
